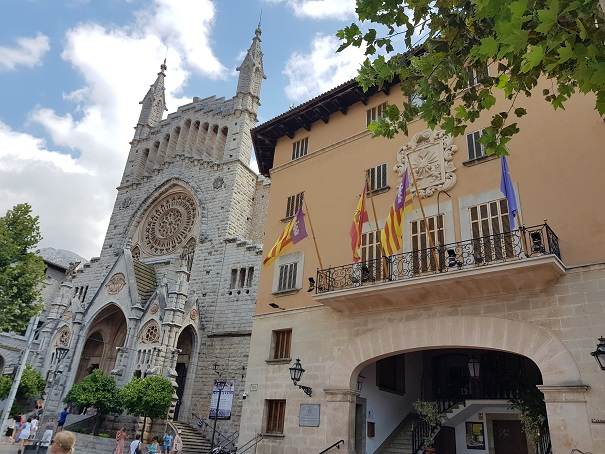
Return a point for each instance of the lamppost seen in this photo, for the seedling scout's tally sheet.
(220, 385)
(599, 353)
(296, 373)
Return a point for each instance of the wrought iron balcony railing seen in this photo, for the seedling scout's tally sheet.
(504, 247)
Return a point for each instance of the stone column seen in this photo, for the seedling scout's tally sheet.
(340, 417)
(568, 420)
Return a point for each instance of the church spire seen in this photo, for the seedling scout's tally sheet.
(251, 70)
(153, 105)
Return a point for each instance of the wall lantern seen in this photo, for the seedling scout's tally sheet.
(61, 353)
(537, 243)
(599, 353)
(296, 373)
(474, 367)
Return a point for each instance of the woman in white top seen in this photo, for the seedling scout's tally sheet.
(24, 434)
(34, 427)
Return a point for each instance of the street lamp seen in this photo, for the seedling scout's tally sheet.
(296, 373)
(220, 385)
(61, 353)
(599, 353)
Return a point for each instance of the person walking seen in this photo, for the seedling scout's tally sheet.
(62, 418)
(154, 446)
(63, 443)
(24, 434)
(167, 445)
(135, 445)
(120, 440)
(34, 427)
(177, 445)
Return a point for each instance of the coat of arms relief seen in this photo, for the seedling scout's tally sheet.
(431, 154)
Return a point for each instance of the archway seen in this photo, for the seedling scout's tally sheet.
(185, 366)
(106, 333)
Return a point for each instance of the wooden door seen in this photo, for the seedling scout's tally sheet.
(445, 442)
(509, 438)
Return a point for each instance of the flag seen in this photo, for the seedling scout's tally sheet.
(360, 215)
(507, 188)
(294, 232)
(391, 236)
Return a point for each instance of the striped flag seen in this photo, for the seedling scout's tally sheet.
(294, 232)
(360, 215)
(391, 236)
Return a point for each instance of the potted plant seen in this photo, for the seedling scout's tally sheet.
(429, 414)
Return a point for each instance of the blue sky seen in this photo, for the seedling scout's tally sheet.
(72, 73)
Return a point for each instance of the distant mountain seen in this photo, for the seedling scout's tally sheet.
(60, 257)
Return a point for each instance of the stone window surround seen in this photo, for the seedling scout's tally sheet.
(292, 257)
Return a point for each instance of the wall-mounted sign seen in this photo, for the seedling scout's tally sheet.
(224, 407)
(597, 421)
(475, 437)
(308, 415)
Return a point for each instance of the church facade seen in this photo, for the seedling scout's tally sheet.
(173, 290)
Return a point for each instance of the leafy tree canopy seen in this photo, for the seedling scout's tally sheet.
(5, 386)
(21, 270)
(520, 41)
(97, 390)
(31, 385)
(150, 396)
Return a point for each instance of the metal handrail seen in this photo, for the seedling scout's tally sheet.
(543, 445)
(499, 248)
(228, 440)
(255, 440)
(334, 445)
(421, 429)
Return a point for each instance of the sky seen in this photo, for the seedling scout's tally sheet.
(72, 73)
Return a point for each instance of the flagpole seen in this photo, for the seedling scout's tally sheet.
(372, 200)
(426, 224)
(521, 224)
(321, 266)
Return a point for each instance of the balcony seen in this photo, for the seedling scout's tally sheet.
(521, 260)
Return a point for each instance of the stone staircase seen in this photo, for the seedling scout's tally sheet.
(400, 441)
(193, 440)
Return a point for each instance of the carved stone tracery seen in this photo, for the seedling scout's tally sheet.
(150, 334)
(64, 337)
(115, 284)
(169, 223)
(431, 154)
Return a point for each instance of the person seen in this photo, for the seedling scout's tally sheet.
(120, 440)
(10, 428)
(19, 424)
(62, 418)
(167, 446)
(154, 446)
(63, 443)
(177, 445)
(34, 427)
(135, 445)
(24, 434)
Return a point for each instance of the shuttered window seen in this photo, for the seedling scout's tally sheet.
(377, 177)
(476, 75)
(276, 414)
(375, 113)
(371, 256)
(423, 257)
(281, 343)
(287, 277)
(490, 228)
(294, 204)
(300, 148)
(475, 148)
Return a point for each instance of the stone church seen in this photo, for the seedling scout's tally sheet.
(173, 290)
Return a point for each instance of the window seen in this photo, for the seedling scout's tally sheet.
(490, 229)
(390, 374)
(416, 100)
(276, 413)
(423, 257)
(233, 282)
(377, 177)
(371, 255)
(287, 277)
(250, 276)
(476, 75)
(475, 148)
(375, 113)
(300, 148)
(295, 202)
(281, 344)
(242, 277)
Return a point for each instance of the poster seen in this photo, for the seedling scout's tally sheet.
(475, 437)
(224, 409)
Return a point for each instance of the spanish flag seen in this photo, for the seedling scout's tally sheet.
(294, 232)
(391, 236)
(360, 215)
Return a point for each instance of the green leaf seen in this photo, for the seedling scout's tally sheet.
(548, 17)
(565, 53)
(488, 47)
(503, 80)
(520, 111)
(581, 29)
(533, 58)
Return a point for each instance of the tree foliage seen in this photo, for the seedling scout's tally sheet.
(519, 42)
(5, 386)
(533, 412)
(150, 396)
(21, 270)
(96, 390)
(31, 385)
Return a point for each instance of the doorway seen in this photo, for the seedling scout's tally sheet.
(509, 438)
(360, 426)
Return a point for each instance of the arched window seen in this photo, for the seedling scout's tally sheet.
(150, 334)
(187, 254)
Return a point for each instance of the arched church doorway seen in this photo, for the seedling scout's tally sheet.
(106, 333)
(477, 392)
(185, 344)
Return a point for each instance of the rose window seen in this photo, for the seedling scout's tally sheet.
(151, 333)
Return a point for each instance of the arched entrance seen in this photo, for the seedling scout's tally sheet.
(184, 369)
(106, 333)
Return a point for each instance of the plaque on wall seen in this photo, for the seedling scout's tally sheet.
(308, 415)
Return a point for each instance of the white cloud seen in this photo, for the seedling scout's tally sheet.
(321, 69)
(321, 9)
(27, 52)
(74, 195)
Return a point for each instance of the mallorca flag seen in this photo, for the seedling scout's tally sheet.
(294, 232)
(392, 234)
(360, 215)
